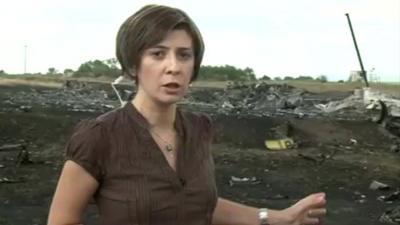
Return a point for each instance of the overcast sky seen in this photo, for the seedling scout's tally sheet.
(275, 38)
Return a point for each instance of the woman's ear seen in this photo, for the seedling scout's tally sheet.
(132, 73)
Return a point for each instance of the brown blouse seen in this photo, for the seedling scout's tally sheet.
(137, 185)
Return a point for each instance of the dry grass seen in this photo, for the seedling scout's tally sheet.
(29, 82)
(46, 80)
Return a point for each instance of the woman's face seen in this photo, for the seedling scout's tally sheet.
(166, 69)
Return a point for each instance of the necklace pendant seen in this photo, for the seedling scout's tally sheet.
(168, 148)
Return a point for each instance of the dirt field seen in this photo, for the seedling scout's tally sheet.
(341, 156)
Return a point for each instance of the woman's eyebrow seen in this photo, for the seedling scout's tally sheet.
(160, 46)
(166, 48)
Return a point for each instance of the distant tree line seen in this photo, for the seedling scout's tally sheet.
(225, 73)
(97, 68)
(321, 78)
(110, 68)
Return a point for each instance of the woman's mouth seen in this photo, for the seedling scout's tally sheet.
(172, 85)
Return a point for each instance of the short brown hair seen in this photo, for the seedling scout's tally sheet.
(148, 27)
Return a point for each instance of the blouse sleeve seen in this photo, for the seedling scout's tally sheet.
(208, 129)
(86, 147)
(206, 134)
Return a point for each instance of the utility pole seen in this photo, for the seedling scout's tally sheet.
(25, 51)
(363, 72)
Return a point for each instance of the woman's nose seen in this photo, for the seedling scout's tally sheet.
(172, 65)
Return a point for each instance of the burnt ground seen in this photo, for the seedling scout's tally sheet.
(340, 155)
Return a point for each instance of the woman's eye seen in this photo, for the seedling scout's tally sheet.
(186, 55)
(158, 54)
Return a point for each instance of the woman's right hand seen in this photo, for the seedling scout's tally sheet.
(308, 211)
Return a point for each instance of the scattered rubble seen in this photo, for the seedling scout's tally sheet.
(376, 185)
(11, 147)
(77, 100)
(395, 147)
(75, 85)
(24, 157)
(259, 98)
(9, 180)
(243, 180)
(392, 124)
(277, 197)
(391, 216)
(238, 98)
(395, 196)
(280, 144)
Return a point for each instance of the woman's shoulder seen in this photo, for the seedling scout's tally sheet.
(110, 118)
(195, 118)
(198, 124)
(88, 145)
(96, 128)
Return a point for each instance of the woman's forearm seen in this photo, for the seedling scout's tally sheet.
(307, 211)
(232, 213)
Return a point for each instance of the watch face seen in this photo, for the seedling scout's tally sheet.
(263, 216)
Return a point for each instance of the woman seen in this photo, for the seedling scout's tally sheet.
(148, 162)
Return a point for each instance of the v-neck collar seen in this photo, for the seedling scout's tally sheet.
(175, 176)
(134, 114)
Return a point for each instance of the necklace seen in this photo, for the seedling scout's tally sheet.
(168, 146)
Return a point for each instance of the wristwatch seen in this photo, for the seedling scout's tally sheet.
(263, 216)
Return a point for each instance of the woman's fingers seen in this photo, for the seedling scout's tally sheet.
(316, 213)
(311, 221)
(309, 210)
(318, 200)
(314, 216)
(313, 208)
(312, 201)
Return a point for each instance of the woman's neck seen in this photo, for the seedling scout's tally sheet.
(160, 117)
